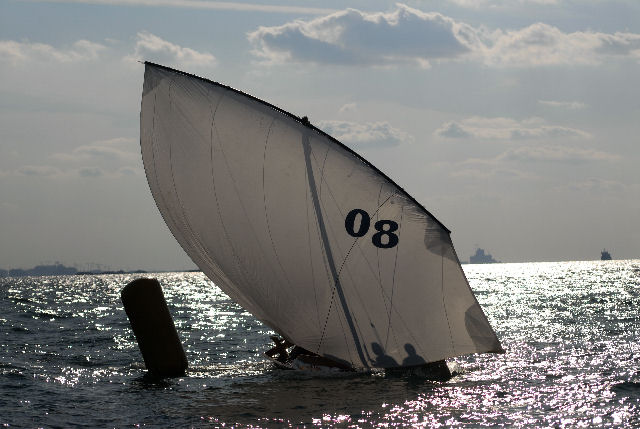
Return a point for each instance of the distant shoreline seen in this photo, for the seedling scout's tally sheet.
(62, 270)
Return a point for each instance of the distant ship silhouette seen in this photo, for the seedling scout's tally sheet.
(605, 255)
(482, 258)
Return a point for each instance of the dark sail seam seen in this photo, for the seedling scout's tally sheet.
(192, 240)
(172, 220)
(213, 183)
(244, 211)
(215, 193)
(264, 200)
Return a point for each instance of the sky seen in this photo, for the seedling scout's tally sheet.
(515, 122)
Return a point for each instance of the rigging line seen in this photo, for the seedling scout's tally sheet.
(326, 155)
(355, 241)
(333, 198)
(326, 265)
(384, 295)
(340, 210)
(356, 294)
(344, 335)
(313, 274)
(378, 218)
(324, 328)
(316, 203)
(368, 263)
(378, 263)
(368, 317)
(338, 206)
(398, 316)
(342, 265)
(333, 289)
(324, 162)
(393, 283)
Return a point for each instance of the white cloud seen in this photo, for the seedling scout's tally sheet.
(509, 164)
(351, 37)
(506, 129)
(571, 105)
(557, 154)
(410, 36)
(53, 172)
(112, 158)
(453, 130)
(482, 170)
(349, 107)
(544, 45)
(370, 134)
(20, 52)
(118, 149)
(150, 47)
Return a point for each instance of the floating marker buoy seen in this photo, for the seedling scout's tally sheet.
(153, 327)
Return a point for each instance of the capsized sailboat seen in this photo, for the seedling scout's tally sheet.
(303, 232)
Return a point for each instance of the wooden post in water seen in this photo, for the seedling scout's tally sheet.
(153, 327)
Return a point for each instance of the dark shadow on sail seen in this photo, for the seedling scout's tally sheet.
(382, 360)
(479, 330)
(327, 248)
(438, 241)
(413, 358)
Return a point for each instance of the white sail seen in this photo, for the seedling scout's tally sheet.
(302, 232)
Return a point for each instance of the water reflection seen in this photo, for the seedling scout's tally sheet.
(570, 331)
(300, 399)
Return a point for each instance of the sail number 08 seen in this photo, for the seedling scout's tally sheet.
(383, 227)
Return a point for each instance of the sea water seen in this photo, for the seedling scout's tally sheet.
(570, 331)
